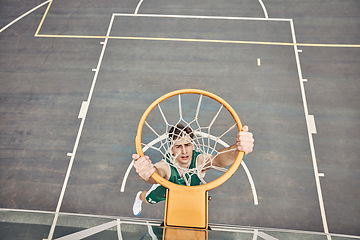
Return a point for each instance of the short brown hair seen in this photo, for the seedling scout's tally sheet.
(180, 130)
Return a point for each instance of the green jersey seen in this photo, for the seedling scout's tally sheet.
(175, 175)
(157, 192)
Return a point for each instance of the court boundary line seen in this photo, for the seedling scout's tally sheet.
(310, 127)
(82, 114)
(199, 17)
(155, 222)
(189, 40)
(204, 41)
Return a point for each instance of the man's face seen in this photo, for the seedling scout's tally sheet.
(182, 150)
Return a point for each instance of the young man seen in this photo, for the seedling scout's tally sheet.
(182, 150)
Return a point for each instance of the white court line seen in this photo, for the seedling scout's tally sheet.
(122, 189)
(310, 132)
(118, 229)
(264, 8)
(259, 62)
(151, 232)
(145, 222)
(83, 109)
(256, 231)
(266, 236)
(138, 6)
(89, 232)
(82, 114)
(310, 120)
(24, 15)
(200, 17)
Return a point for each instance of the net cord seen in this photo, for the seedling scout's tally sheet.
(202, 142)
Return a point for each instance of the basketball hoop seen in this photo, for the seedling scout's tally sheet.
(187, 206)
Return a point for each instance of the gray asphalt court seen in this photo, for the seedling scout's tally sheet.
(76, 77)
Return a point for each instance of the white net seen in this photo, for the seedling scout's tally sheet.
(208, 128)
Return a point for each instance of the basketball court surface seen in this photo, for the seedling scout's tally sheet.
(76, 76)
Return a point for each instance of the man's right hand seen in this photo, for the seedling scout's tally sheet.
(143, 166)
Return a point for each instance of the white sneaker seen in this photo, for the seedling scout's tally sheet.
(137, 205)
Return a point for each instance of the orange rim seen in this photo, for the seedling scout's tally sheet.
(208, 186)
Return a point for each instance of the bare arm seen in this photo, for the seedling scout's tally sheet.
(244, 142)
(145, 168)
